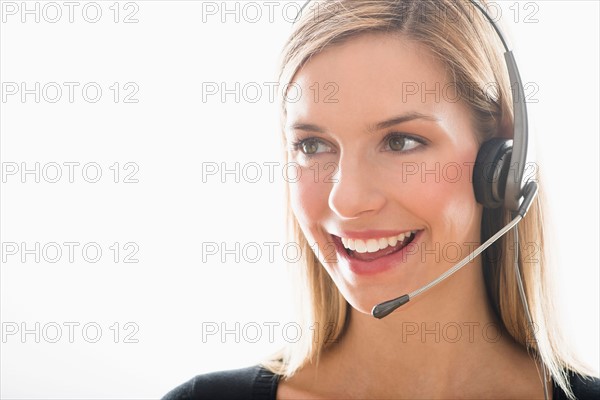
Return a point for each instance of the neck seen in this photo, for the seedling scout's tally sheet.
(441, 339)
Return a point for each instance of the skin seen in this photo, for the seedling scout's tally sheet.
(368, 190)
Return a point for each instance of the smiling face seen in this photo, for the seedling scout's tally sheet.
(385, 153)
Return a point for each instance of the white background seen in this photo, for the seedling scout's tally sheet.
(172, 293)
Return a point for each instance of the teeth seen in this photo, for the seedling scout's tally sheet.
(373, 245)
(392, 241)
(361, 246)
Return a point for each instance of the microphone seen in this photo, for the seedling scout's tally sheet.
(383, 309)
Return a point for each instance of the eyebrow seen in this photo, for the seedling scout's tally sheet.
(399, 119)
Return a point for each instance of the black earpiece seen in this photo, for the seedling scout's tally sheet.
(490, 172)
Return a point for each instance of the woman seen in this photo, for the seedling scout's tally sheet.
(397, 98)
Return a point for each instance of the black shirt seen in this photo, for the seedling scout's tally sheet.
(257, 383)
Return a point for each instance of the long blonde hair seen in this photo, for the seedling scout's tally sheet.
(471, 51)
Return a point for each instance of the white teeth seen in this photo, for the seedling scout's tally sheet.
(373, 245)
(393, 240)
(361, 246)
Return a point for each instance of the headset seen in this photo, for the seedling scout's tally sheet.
(497, 160)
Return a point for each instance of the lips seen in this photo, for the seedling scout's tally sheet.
(369, 263)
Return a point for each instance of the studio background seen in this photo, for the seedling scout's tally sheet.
(161, 142)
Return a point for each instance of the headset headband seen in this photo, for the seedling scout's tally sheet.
(518, 157)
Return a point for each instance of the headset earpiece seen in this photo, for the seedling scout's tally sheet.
(490, 172)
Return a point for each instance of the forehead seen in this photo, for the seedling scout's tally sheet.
(368, 76)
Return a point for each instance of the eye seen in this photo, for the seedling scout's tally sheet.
(311, 146)
(402, 143)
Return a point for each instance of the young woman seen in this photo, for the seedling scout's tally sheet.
(397, 98)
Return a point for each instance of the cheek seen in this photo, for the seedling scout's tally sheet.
(309, 199)
(442, 194)
(308, 196)
(450, 185)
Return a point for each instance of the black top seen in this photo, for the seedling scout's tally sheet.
(257, 383)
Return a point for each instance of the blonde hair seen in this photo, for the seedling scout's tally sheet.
(466, 44)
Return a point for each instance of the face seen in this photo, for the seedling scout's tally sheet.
(384, 152)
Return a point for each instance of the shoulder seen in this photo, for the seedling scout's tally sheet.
(584, 387)
(243, 383)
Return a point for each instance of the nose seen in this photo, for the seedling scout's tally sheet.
(356, 190)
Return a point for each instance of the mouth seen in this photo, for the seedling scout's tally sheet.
(368, 250)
